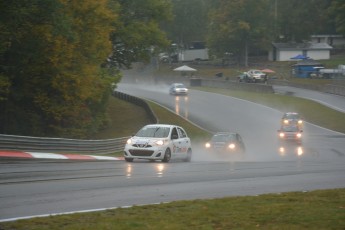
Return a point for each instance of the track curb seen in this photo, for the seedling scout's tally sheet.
(62, 156)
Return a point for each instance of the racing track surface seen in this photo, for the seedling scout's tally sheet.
(33, 187)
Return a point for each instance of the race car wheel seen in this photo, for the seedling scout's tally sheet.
(129, 159)
(167, 155)
(189, 155)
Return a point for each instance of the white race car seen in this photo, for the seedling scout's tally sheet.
(178, 89)
(159, 142)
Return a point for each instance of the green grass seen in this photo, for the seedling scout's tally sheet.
(322, 209)
(167, 117)
(124, 119)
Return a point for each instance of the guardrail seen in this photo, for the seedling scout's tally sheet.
(63, 145)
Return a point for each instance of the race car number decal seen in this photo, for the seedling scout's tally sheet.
(179, 150)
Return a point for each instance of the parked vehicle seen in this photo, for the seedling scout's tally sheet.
(243, 77)
(256, 76)
(159, 142)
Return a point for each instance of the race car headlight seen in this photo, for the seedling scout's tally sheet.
(129, 141)
(299, 135)
(281, 134)
(232, 146)
(208, 145)
(286, 121)
(300, 121)
(159, 142)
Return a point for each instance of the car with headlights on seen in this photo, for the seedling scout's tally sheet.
(178, 89)
(292, 118)
(226, 142)
(159, 142)
(291, 133)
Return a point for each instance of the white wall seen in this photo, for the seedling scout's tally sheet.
(319, 54)
(191, 55)
(287, 55)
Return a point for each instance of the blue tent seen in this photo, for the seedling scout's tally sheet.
(300, 57)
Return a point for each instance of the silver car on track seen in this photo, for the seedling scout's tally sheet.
(178, 89)
(159, 142)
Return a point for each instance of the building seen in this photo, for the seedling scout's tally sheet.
(336, 41)
(285, 51)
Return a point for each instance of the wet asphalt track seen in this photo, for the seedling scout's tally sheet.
(36, 187)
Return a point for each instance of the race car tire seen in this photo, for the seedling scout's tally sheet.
(129, 159)
(167, 155)
(189, 155)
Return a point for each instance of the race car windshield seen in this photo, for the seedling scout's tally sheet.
(290, 129)
(292, 116)
(222, 138)
(153, 132)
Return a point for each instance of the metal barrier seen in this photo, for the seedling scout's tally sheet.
(61, 145)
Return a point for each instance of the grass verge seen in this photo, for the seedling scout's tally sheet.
(322, 209)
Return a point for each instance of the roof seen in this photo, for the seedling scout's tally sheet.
(327, 36)
(224, 133)
(162, 125)
(302, 46)
(307, 62)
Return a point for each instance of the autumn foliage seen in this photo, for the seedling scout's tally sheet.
(53, 76)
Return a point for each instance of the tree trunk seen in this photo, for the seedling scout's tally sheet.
(245, 53)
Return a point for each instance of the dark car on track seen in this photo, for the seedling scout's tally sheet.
(226, 142)
(291, 133)
(292, 118)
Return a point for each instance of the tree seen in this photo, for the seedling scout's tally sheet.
(189, 23)
(337, 11)
(137, 32)
(55, 75)
(297, 20)
(238, 26)
(51, 53)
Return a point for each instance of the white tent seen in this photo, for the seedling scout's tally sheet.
(185, 68)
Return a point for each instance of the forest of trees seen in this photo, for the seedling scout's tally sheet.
(241, 27)
(58, 58)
